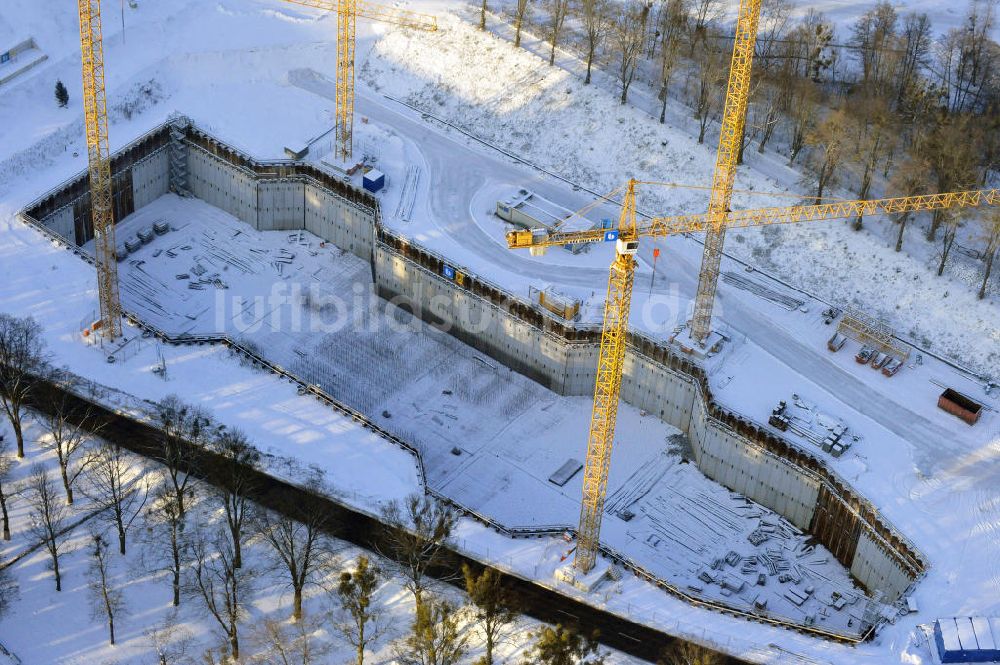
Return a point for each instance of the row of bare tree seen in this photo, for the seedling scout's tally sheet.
(892, 111)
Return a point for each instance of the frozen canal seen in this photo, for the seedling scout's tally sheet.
(490, 438)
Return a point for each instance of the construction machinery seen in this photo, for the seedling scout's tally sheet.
(616, 310)
(96, 123)
(714, 223)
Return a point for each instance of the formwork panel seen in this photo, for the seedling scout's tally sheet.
(151, 178)
(876, 569)
(62, 224)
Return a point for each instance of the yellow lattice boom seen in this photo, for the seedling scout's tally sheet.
(660, 227)
(99, 165)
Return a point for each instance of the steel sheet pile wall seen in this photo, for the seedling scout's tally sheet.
(280, 195)
(337, 220)
(728, 448)
(219, 182)
(139, 175)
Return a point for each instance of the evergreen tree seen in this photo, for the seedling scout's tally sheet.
(435, 638)
(491, 607)
(360, 618)
(62, 94)
(560, 645)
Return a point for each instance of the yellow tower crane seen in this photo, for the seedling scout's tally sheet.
(617, 306)
(96, 123)
(607, 387)
(348, 11)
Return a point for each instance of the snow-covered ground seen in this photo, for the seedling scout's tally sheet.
(231, 66)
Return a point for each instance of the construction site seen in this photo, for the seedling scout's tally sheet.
(691, 442)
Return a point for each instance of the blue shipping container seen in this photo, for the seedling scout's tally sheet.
(373, 181)
(968, 639)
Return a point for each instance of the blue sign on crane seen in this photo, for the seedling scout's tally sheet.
(610, 236)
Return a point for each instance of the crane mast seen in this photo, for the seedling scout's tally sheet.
(348, 12)
(607, 387)
(346, 29)
(730, 140)
(99, 166)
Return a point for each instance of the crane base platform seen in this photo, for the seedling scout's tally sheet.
(586, 582)
(687, 344)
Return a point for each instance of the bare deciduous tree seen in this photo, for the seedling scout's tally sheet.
(298, 545)
(708, 89)
(766, 113)
(915, 43)
(951, 221)
(22, 358)
(6, 463)
(69, 427)
(47, 517)
(358, 618)
(112, 483)
(221, 585)
(674, 19)
(909, 179)
(281, 644)
(557, 18)
(991, 246)
(168, 550)
(628, 33)
(594, 15)
(237, 482)
(827, 142)
(492, 607)
(803, 105)
(181, 423)
(520, 14)
(967, 58)
(950, 150)
(418, 529)
(171, 643)
(108, 600)
(775, 16)
(874, 39)
(703, 14)
(873, 139)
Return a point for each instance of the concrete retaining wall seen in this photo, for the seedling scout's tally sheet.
(150, 178)
(224, 185)
(728, 448)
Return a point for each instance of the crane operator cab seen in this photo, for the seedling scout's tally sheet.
(629, 247)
